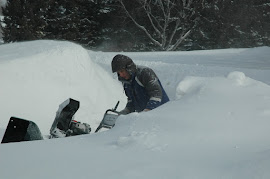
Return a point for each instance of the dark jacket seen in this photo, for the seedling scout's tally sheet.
(144, 90)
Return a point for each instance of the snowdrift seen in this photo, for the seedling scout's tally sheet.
(37, 76)
(215, 126)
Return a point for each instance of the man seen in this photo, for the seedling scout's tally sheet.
(141, 85)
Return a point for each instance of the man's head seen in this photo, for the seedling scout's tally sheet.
(123, 65)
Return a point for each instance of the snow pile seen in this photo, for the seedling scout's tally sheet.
(215, 126)
(37, 76)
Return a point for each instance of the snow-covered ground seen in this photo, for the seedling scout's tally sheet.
(216, 125)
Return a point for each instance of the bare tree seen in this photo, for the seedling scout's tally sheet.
(171, 21)
(2, 5)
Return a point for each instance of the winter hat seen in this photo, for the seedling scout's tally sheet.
(120, 62)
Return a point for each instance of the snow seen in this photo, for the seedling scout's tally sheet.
(215, 126)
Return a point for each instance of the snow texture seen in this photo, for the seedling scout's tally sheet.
(216, 125)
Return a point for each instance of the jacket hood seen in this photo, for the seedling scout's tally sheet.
(120, 62)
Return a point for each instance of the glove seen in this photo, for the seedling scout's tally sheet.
(124, 111)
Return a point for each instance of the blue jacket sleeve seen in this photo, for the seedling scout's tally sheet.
(152, 104)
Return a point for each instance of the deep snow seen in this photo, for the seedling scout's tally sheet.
(215, 126)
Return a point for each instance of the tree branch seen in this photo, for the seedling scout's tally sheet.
(140, 26)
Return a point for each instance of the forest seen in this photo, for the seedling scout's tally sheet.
(140, 25)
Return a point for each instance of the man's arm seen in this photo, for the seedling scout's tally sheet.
(125, 111)
(129, 106)
(151, 83)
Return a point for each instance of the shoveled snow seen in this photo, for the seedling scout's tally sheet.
(216, 125)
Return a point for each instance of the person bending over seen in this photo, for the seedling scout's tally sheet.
(142, 86)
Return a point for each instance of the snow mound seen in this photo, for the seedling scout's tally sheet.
(217, 126)
(40, 78)
(239, 78)
(188, 86)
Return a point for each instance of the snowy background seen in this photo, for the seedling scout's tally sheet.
(216, 125)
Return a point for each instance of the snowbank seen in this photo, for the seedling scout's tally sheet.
(37, 76)
(215, 126)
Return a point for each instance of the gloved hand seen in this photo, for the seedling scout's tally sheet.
(124, 111)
